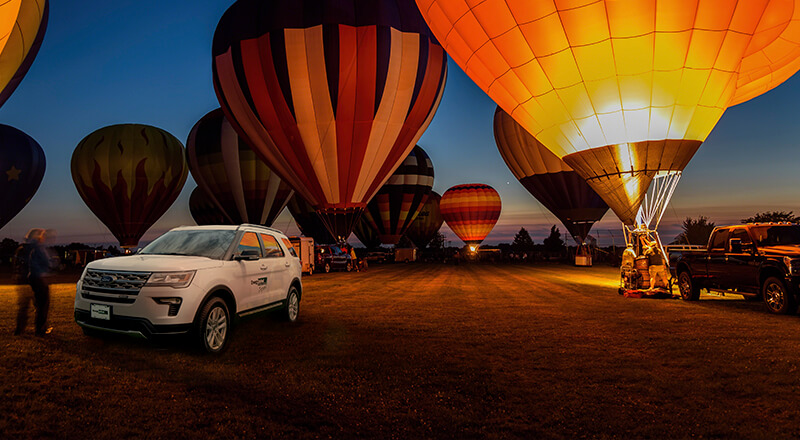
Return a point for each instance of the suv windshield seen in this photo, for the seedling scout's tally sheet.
(200, 243)
(776, 235)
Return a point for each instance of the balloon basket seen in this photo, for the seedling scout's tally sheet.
(635, 279)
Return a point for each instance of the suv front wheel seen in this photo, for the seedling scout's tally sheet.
(776, 297)
(213, 326)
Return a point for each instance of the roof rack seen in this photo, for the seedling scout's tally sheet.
(260, 226)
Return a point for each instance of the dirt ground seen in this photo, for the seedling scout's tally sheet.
(422, 351)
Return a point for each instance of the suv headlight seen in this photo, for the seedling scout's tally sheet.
(171, 279)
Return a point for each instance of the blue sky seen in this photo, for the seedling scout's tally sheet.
(149, 62)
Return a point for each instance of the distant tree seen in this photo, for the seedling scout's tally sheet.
(437, 242)
(113, 250)
(7, 249)
(554, 243)
(772, 216)
(695, 231)
(522, 242)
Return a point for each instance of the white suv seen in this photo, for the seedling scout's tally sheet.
(191, 280)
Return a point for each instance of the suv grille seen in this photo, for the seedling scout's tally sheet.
(113, 286)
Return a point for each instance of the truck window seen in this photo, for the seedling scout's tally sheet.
(249, 242)
(776, 235)
(719, 240)
(742, 235)
(271, 247)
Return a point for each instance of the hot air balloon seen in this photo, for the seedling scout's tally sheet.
(621, 90)
(21, 41)
(308, 221)
(332, 95)
(427, 222)
(471, 210)
(367, 234)
(551, 181)
(129, 175)
(204, 210)
(398, 201)
(22, 165)
(228, 170)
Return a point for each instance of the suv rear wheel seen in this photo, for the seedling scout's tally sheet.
(777, 299)
(213, 326)
(292, 309)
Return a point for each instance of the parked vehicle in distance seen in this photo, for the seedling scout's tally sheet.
(331, 257)
(759, 260)
(304, 246)
(405, 255)
(191, 280)
(379, 257)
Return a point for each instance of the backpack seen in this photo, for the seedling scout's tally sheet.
(22, 264)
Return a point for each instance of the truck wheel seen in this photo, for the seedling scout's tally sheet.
(292, 308)
(689, 290)
(213, 326)
(776, 297)
(327, 268)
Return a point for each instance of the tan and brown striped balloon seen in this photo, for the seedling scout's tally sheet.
(231, 173)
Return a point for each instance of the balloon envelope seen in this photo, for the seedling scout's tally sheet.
(399, 200)
(427, 223)
(333, 95)
(204, 210)
(551, 181)
(232, 175)
(620, 89)
(22, 165)
(471, 211)
(367, 234)
(22, 44)
(129, 175)
(308, 221)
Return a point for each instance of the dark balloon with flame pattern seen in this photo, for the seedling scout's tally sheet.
(129, 175)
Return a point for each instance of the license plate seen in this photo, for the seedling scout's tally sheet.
(100, 311)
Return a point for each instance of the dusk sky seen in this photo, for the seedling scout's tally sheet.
(149, 62)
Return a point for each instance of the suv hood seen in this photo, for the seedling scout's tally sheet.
(154, 263)
(792, 251)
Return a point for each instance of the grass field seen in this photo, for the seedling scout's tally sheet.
(419, 351)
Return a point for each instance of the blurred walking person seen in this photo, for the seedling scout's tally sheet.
(32, 265)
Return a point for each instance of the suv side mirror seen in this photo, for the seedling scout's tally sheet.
(735, 245)
(247, 255)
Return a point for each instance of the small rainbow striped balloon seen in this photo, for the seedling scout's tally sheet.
(471, 211)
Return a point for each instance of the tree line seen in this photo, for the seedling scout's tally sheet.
(696, 231)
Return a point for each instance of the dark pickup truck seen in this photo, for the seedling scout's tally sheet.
(759, 261)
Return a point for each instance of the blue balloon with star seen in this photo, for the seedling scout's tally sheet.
(22, 166)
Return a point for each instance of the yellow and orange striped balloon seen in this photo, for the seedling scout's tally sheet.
(471, 211)
(620, 89)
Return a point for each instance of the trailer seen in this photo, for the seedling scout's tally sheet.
(304, 246)
(405, 255)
